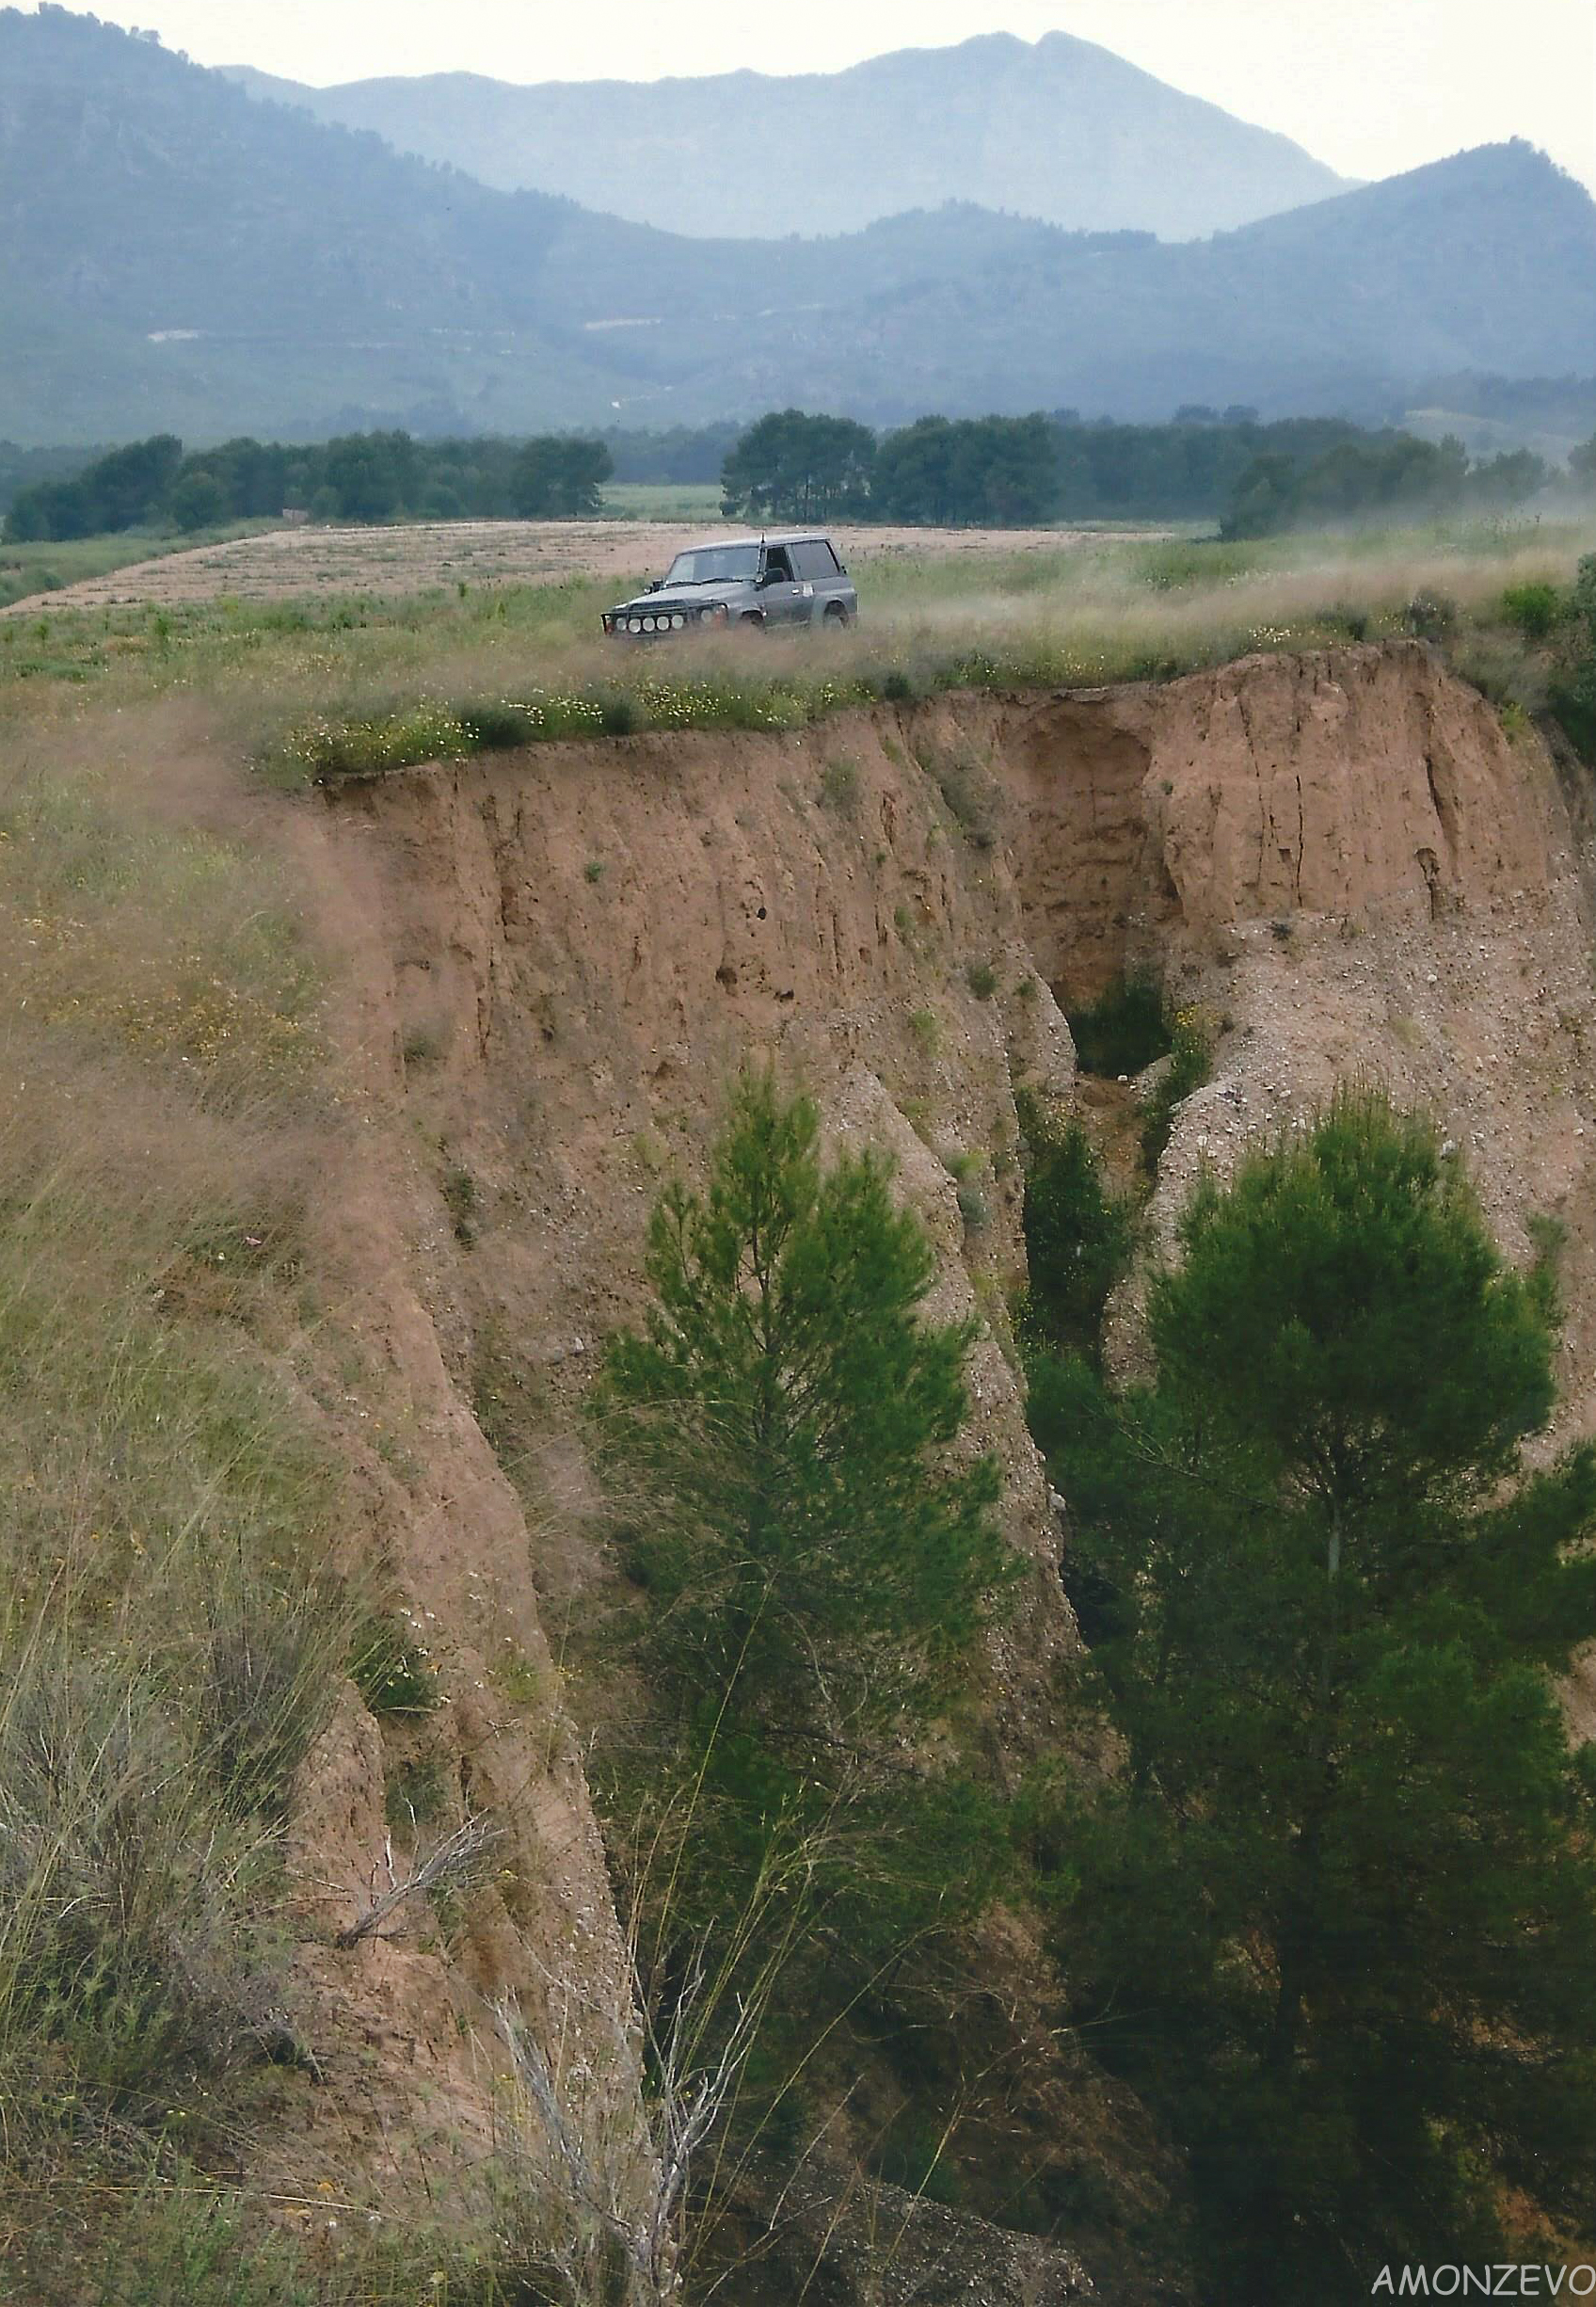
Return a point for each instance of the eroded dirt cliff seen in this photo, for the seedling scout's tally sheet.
(557, 961)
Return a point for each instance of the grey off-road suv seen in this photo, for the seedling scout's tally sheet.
(793, 578)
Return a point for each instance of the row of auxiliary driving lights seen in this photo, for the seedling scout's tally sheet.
(667, 620)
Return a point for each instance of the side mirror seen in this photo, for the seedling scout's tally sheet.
(655, 585)
(771, 576)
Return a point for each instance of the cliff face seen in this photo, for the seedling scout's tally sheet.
(1365, 784)
(556, 962)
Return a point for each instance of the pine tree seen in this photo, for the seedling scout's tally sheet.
(1078, 1237)
(1338, 1912)
(778, 1434)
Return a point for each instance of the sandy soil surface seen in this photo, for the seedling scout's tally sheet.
(318, 562)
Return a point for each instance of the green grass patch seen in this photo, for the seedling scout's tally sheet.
(390, 1667)
(1125, 1029)
(840, 785)
(168, 1651)
(693, 502)
(969, 789)
(1191, 1064)
(417, 1792)
(462, 1197)
(29, 569)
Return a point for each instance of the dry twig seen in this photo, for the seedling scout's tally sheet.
(454, 1857)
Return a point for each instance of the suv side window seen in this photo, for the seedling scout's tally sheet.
(815, 561)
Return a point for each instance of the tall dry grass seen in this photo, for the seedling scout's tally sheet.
(172, 1638)
(169, 1647)
(315, 689)
(1090, 609)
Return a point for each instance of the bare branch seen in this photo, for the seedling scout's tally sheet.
(615, 2162)
(453, 1858)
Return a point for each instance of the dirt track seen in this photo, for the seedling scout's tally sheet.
(317, 562)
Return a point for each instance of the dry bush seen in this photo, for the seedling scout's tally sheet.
(138, 1920)
(609, 2128)
(267, 1662)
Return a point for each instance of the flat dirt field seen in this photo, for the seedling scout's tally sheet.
(289, 564)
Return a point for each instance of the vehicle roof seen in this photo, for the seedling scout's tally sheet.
(762, 537)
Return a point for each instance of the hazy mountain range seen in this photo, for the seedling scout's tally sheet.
(175, 253)
(1060, 129)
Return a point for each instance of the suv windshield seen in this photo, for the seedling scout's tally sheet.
(716, 565)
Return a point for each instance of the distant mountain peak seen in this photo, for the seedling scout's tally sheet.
(1503, 179)
(1058, 128)
(179, 257)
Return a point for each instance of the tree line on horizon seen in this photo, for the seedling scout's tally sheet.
(1012, 471)
(360, 477)
(1256, 478)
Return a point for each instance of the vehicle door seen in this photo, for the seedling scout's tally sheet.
(819, 569)
(781, 597)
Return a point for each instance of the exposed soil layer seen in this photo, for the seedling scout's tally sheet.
(558, 960)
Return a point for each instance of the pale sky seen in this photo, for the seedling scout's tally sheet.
(1370, 86)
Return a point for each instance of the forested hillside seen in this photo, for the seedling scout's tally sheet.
(180, 257)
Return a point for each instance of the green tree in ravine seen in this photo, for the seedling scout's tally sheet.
(777, 1435)
(1337, 1915)
(1078, 1236)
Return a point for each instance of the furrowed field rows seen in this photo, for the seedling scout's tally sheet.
(322, 563)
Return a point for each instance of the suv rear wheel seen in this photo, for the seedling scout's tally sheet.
(835, 614)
